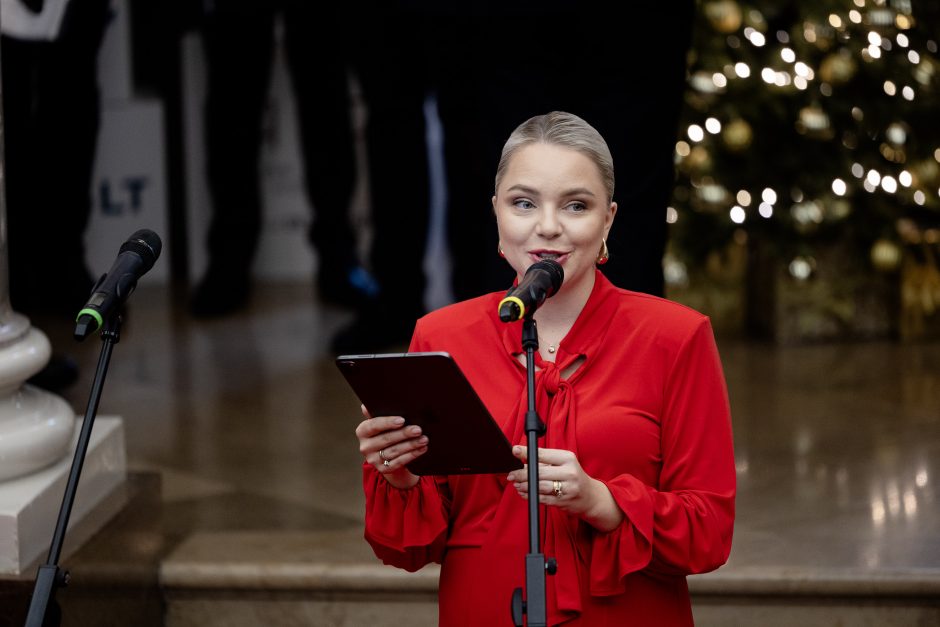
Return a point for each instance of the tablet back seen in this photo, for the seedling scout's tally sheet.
(430, 390)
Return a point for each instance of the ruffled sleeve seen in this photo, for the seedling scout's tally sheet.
(684, 525)
(406, 528)
(628, 548)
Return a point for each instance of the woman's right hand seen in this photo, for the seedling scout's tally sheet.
(389, 446)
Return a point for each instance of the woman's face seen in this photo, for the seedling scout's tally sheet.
(552, 204)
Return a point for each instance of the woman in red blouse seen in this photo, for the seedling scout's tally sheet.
(636, 470)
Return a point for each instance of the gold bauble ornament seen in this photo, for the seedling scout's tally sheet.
(885, 255)
(698, 161)
(724, 15)
(837, 68)
(838, 209)
(737, 135)
(925, 70)
(926, 173)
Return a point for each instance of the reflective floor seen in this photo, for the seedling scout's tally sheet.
(251, 427)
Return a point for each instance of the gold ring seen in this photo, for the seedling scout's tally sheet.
(556, 489)
(382, 455)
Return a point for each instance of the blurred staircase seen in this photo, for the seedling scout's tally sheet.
(332, 579)
(139, 571)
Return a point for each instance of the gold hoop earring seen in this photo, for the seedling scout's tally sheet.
(499, 251)
(603, 256)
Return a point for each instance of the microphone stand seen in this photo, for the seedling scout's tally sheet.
(50, 577)
(536, 564)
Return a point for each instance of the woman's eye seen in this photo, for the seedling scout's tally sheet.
(522, 203)
(577, 207)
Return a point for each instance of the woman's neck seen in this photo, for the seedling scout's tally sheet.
(561, 310)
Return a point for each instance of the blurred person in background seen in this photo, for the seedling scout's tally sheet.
(239, 45)
(514, 61)
(51, 115)
(484, 80)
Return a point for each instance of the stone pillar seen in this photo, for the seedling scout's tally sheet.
(35, 426)
(38, 440)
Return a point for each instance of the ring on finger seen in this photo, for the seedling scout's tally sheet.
(557, 489)
(385, 461)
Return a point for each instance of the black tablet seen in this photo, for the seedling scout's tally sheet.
(430, 390)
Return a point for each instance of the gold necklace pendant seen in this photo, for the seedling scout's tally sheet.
(551, 347)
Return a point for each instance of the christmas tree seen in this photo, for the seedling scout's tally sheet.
(810, 125)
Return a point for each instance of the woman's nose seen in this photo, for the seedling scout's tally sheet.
(548, 224)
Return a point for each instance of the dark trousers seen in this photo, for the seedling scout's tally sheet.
(50, 123)
(392, 60)
(239, 38)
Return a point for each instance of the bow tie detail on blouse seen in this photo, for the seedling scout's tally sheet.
(550, 379)
(554, 403)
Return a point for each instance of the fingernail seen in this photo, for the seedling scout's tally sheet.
(398, 421)
(416, 430)
(422, 440)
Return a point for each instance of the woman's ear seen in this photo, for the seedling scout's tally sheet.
(493, 202)
(610, 218)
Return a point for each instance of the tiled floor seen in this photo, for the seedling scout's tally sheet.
(251, 426)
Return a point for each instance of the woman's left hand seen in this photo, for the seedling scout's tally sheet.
(564, 484)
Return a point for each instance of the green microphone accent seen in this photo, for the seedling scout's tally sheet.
(94, 314)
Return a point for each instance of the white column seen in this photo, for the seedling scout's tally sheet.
(35, 426)
(38, 434)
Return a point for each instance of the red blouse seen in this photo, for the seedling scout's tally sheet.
(647, 413)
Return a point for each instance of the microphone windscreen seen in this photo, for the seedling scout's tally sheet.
(553, 268)
(145, 243)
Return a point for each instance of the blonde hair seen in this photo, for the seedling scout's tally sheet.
(561, 129)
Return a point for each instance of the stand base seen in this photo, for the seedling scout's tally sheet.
(29, 505)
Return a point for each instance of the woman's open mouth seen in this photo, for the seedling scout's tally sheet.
(554, 255)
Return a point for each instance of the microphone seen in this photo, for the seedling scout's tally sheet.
(541, 280)
(136, 256)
